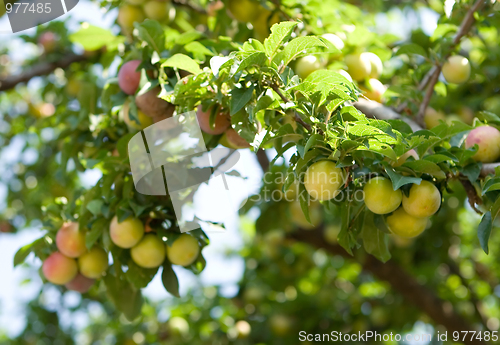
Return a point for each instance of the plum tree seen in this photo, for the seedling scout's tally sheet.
(402, 224)
(70, 240)
(374, 90)
(80, 283)
(94, 263)
(377, 67)
(128, 15)
(149, 252)
(234, 140)
(456, 69)
(487, 139)
(127, 233)
(220, 124)
(423, 201)
(380, 197)
(359, 66)
(153, 106)
(306, 65)
(156, 10)
(144, 120)
(59, 269)
(48, 41)
(129, 77)
(243, 10)
(184, 250)
(323, 180)
(433, 118)
(402, 159)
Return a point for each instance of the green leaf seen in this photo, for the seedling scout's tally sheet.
(374, 240)
(239, 98)
(374, 145)
(491, 185)
(484, 231)
(26, 250)
(254, 59)
(350, 113)
(280, 33)
(183, 62)
(152, 32)
(198, 50)
(426, 167)
(124, 296)
(441, 157)
(139, 277)
(169, 280)
(298, 47)
(93, 38)
(410, 49)
(95, 207)
(472, 171)
(96, 230)
(314, 140)
(399, 180)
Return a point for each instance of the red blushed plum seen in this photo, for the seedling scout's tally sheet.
(59, 269)
(221, 123)
(487, 139)
(129, 77)
(235, 140)
(70, 240)
(80, 284)
(48, 40)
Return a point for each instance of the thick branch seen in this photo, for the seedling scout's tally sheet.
(420, 296)
(41, 69)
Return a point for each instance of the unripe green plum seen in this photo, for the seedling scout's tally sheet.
(401, 160)
(129, 77)
(235, 140)
(184, 250)
(335, 40)
(156, 10)
(307, 65)
(299, 219)
(456, 69)
(94, 263)
(149, 252)
(374, 90)
(144, 120)
(244, 10)
(487, 139)
(70, 240)
(178, 326)
(243, 329)
(127, 233)
(377, 67)
(402, 224)
(380, 197)
(128, 15)
(80, 283)
(433, 118)
(323, 180)
(423, 201)
(221, 123)
(359, 66)
(59, 269)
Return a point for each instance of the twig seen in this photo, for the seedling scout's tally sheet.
(38, 70)
(286, 100)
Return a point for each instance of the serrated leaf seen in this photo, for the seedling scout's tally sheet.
(484, 231)
(280, 33)
(254, 59)
(152, 32)
(298, 47)
(183, 62)
(169, 280)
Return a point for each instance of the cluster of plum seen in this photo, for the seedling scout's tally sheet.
(77, 267)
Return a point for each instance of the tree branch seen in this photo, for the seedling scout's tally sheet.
(41, 69)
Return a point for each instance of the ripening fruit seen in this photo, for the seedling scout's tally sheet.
(153, 106)
(144, 120)
(128, 15)
(263, 23)
(466, 114)
(243, 329)
(433, 118)
(178, 326)
(402, 224)
(374, 90)
(129, 77)
(80, 283)
(70, 240)
(184, 250)
(423, 201)
(487, 139)
(221, 123)
(359, 66)
(456, 69)
(48, 40)
(59, 269)
(405, 156)
(149, 252)
(380, 197)
(335, 40)
(244, 10)
(127, 233)
(234, 140)
(323, 180)
(156, 10)
(94, 263)
(306, 65)
(377, 67)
